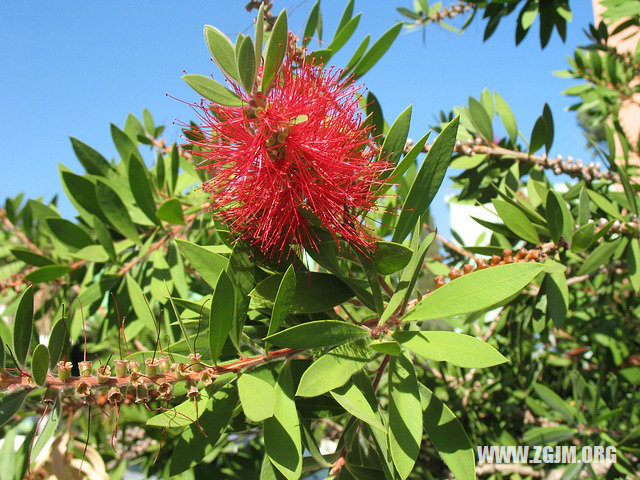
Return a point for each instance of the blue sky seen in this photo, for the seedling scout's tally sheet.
(70, 70)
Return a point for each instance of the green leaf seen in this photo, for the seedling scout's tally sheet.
(475, 291)
(47, 273)
(557, 291)
(104, 238)
(282, 437)
(507, 117)
(212, 90)
(241, 270)
(548, 121)
(583, 237)
(386, 347)
(147, 119)
(564, 223)
(376, 51)
(481, 119)
(2, 355)
(171, 211)
(81, 191)
(192, 446)
(396, 138)
(222, 315)
(427, 181)
(408, 160)
(390, 257)
(633, 263)
(448, 436)
(405, 415)
(125, 146)
(456, 348)
(600, 256)
(247, 64)
(358, 398)
(259, 36)
(346, 15)
(92, 253)
(549, 435)
(141, 188)
(275, 50)
(181, 415)
(140, 304)
(312, 24)
(31, 258)
(257, 393)
(333, 369)
(58, 340)
(48, 430)
(40, 364)
(207, 264)
(318, 334)
(23, 326)
(315, 292)
(284, 300)
(555, 402)
(516, 221)
(69, 233)
(222, 52)
(538, 135)
(91, 160)
(10, 403)
(344, 34)
(115, 211)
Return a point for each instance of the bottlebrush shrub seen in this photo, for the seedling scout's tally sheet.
(298, 322)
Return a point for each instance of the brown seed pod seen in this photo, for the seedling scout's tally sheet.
(64, 370)
(104, 372)
(85, 368)
(121, 368)
(151, 367)
(114, 396)
(195, 359)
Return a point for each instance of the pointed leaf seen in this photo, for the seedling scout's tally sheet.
(222, 52)
(257, 393)
(141, 188)
(275, 50)
(171, 211)
(23, 326)
(207, 264)
(10, 403)
(115, 211)
(212, 90)
(318, 334)
(40, 364)
(475, 291)
(358, 398)
(376, 51)
(92, 161)
(222, 314)
(284, 300)
(516, 221)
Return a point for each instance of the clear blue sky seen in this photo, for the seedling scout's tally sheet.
(70, 69)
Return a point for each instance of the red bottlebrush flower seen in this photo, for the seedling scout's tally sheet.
(300, 148)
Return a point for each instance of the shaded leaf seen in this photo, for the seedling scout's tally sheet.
(23, 326)
(317, 334)
(40, 364)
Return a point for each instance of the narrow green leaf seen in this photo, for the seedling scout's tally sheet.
(456, 348)
(481, 119)
(192, 446)
(247, 64)
(284, 300)
(23, 326)
(358, 398)
(69, 233)
(557, 291)
(222, 314)
(115, 211)
(10, 403)
(275, 50)
(141, 188)
(125, 146)
(396, 138)
(312, 24)
(58, 340)
(171, 211)
(427, 181)
(344, 34)
(140, 304)
(475, 291)
(408, 160)
(315, 292)
(538, 135)
(390, 257)
(516, 221)
(507, 117)
(31, 258)
(47, 273)
(448, 436)
(104, 238)
(346, 15)
(563, 223)
(48, 430)
(212, 90)
(207, 264)
(222, 52)
(318, 334)
(583, 237)
(257, 393)
(40, 364)
(259, 36)
(405, 415)
(282, 437)
(600, 256)
(333, 369)
(558, 405)
(584, 207)
(376, 51)
(92, 161)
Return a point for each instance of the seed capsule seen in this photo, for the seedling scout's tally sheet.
(104, 372)
(85, 368)
(64, 370)
(151, 367)
(121, 368)
(195, 359)
(165, 364)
